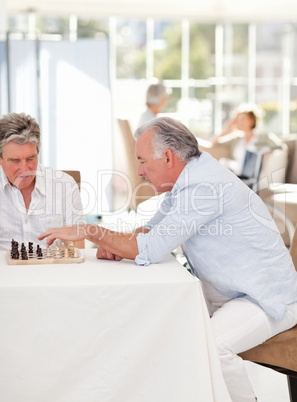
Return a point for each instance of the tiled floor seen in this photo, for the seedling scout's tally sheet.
(269, 385)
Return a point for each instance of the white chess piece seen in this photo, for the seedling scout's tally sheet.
(63, 249)
(57, 250)
(71, 249)
(48, 252)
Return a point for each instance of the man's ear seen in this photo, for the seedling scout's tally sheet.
(168, 157)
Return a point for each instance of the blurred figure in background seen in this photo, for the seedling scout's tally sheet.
(244, 123)
(156, 98)
(244, 136)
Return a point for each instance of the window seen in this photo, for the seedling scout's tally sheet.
(130, 49)
(210, 68)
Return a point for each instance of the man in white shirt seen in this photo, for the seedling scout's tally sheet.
(228, 236)
(32, 198)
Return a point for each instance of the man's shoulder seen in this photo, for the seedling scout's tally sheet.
(206, 168)
(205, 158)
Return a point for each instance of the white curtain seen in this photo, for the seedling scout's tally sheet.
(70, 98)
(76, 115)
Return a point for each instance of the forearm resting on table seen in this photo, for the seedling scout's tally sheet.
(80, 244)
(123, 245)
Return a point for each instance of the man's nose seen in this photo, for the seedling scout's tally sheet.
(24, 166)
(140, 171)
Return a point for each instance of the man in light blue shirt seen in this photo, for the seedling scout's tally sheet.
(228, 236)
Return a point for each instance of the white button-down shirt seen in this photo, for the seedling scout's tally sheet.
(55, 202)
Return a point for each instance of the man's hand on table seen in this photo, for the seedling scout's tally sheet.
(103, 254)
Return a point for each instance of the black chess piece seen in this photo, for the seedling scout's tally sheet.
(30, 249)
(39, 252)
(14, 250)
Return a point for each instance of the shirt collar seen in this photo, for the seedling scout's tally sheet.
(183, 178)
(39, 184)
(4, 182)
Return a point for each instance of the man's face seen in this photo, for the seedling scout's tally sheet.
(19, 163)
(154, 171)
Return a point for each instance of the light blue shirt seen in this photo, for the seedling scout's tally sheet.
(227, 235)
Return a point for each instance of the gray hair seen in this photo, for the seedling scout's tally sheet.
(19, 128)
(155, 93)
(173, 135)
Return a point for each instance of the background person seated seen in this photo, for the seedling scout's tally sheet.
(243, 136)
(156, 98)
(32, 198)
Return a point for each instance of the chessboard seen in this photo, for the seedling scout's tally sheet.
(56, 254)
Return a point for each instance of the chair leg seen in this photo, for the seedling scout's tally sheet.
(292, 384)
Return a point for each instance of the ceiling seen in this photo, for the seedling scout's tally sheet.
(212, 10)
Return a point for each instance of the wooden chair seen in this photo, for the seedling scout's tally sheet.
(75, 174)
(280, 352)
(141, 189)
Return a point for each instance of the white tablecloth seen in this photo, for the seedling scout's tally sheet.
(105, 331)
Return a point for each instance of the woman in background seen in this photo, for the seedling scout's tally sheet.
(244, 123)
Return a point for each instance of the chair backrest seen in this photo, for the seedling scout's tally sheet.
(141, 189)
(129, 144)
(75, 174)
(291, 174)
(274, 166)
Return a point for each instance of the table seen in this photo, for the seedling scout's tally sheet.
(105, 331)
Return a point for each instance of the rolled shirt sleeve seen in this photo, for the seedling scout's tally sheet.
(142, 258)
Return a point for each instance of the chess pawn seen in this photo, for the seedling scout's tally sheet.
(57, 250)
(66, 254)
(63, 249)
(75, 252)
(48, 252)
(71, 249)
